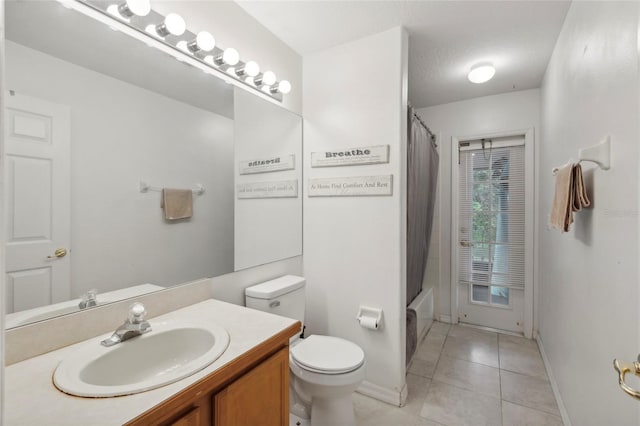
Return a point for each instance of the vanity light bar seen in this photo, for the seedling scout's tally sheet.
(171, 31)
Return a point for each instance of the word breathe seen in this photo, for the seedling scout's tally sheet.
(353, 152)
(264, 162)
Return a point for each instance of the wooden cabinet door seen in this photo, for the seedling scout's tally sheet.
(260, 397)
(192, 418)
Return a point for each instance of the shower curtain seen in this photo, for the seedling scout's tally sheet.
(422, 170)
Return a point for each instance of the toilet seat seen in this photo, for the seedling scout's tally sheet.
(327, 355)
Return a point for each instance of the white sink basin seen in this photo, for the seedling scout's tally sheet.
(172, 351)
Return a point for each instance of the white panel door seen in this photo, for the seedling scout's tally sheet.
(37, 201)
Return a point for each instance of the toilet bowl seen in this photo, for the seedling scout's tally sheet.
(325, 370)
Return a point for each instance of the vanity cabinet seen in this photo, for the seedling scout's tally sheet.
(260, 397)
(253, 389)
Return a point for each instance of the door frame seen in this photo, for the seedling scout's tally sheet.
(529, 225)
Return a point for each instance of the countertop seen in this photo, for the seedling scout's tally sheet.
(32, 399)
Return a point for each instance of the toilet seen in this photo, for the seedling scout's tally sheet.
(325, 370)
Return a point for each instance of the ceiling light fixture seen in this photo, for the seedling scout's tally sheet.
(481, 73)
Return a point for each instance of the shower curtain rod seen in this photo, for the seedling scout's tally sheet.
(429, 131)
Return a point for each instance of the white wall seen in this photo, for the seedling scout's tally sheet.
(510, 111)
(121, 134)
(588, 310)
(233, 27)
(266, 228)
(354, 247)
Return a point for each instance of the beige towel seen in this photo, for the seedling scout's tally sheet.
(570, 196)
(177, 203)
(580, 197)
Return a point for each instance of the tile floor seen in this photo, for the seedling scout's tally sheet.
(465, 376)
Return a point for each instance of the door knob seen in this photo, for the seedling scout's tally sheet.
(465, 243)
(60, 252)
(623, 367)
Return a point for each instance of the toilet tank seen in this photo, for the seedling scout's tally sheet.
(282, 296)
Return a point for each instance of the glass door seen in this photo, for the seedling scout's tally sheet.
(492, 233)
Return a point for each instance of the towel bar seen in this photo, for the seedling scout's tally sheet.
(145, 187)
(599, 154)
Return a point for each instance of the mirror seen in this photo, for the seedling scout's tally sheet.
(97, 124)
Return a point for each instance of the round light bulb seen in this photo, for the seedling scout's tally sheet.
(268, 78)
(481, 73)
(174, 24)
(136, 7)
(251, 68)
(284, 87)
(205, 41)
(231, 56)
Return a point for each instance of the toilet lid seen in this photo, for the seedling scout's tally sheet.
(327, 354)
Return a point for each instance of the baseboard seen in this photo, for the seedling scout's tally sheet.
(445, 318)
(383, 394)
(554, 385)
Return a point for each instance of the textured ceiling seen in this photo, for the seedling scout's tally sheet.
(446, 38)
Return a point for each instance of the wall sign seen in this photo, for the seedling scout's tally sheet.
(351, 186)
(280, 189)
(264, 165)
(351, 156)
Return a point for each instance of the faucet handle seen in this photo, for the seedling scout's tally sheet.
(137, 313)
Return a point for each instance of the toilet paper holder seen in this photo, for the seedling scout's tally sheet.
(370, 318)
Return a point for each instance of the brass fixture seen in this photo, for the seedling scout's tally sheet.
(59, 253)
(624, 367)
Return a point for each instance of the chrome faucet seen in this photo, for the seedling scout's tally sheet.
(135, 325)
(88, 299)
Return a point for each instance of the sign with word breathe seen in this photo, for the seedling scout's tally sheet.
(351, 186)
(351, 156)
(264, 165)
(280, 189)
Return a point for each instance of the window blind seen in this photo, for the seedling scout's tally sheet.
(491, 209)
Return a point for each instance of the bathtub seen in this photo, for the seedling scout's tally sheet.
(423, 305)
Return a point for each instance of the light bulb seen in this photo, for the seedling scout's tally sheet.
(481, 73)
(204, 41)
(284, 87)
(134, 7)
(268, 78)
(173, 24)
(230, 56)
(250, 69)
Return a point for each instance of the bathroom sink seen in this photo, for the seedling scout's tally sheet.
(172, 351)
